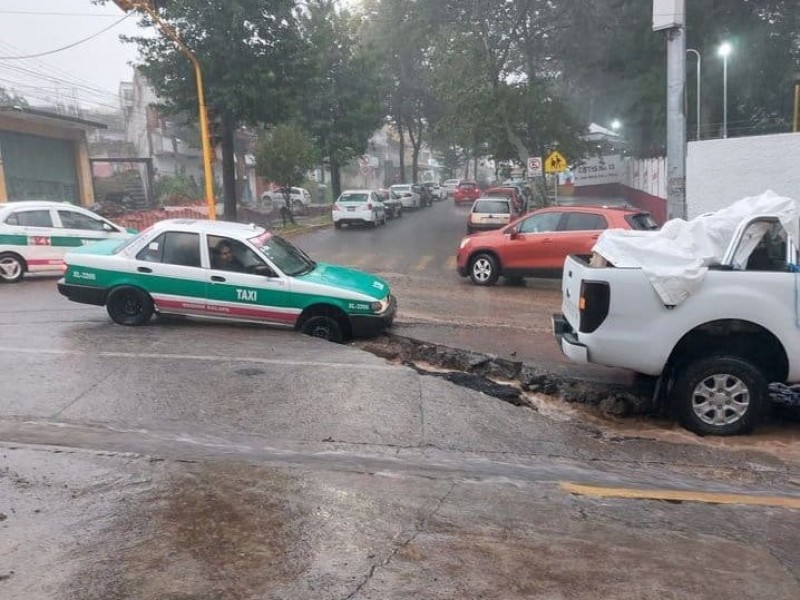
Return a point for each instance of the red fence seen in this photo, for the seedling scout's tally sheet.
(143, 219)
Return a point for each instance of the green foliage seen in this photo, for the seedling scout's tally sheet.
(285, 154)
(176, 190)
(339, 98)
(247, 51)
(11, 98)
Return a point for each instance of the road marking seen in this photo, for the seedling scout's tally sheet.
(423, 263)
(451, 263)
(680, 495)
(195, 357)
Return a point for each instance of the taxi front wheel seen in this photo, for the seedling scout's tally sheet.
(128, 305)
(324, 327)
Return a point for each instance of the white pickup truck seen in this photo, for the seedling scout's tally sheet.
(716, 350)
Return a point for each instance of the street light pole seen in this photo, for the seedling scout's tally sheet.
(147, 7)
(724, 51)
(697, 109)
(796, 119)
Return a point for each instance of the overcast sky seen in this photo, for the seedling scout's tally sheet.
(90, 71)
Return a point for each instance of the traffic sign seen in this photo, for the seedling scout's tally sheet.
(555, 163)
(534, 166)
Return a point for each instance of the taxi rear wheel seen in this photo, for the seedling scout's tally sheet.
(12, 268)
(323, 327)
(127, 305)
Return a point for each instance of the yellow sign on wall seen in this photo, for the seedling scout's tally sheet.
(555, 163)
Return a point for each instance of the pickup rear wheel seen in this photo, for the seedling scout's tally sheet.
(128, 305)
(720, 395)
(484, 270)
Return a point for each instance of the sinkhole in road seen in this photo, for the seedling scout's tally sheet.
(511, 381)
(609, 411)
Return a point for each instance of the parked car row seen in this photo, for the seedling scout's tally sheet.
(372, 208)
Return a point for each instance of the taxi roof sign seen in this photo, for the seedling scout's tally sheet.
(555, 163)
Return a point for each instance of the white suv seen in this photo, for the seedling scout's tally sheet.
(358, 207)
(300, 198)
(35, 235)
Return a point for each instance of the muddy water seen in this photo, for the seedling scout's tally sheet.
(781, 440)
(217, 531)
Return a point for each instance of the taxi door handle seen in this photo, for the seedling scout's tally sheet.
(217, 278)
(144, 270)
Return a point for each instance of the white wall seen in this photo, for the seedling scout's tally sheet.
(648, 175)
(720, 172)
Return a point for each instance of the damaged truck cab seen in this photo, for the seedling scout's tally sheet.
(716, 350)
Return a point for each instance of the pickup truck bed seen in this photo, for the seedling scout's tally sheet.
(715, 352)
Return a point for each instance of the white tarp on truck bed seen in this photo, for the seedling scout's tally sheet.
(676, 258)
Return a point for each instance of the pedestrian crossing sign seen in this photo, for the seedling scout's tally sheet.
(555, 163)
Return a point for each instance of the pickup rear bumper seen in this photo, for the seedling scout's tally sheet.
(567, 340)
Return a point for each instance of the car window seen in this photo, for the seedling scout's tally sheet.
(30, 218)
(642, 221)
(770, 254)
(491, 206)
(227, 254)
(173, 248)
(288, 258)
(353, 197)
(71, 219)
(540, 223)
(579, 221)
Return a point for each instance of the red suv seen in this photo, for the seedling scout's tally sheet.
(538, 243)
(466, 192)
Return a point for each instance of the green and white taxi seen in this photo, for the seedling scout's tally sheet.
(226, 271)
(35, 235)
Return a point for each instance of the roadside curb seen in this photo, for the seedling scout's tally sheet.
(612, 399)
(302, 230)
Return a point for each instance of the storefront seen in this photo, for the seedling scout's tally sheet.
(44, 156)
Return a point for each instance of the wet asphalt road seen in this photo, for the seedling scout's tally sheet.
(417, 255)
(210, 461)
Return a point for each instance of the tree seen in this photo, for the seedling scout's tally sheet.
(248, 50)
(11, 98)
(284, 155)
(339, 100)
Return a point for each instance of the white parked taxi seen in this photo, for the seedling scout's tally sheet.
(35, 235)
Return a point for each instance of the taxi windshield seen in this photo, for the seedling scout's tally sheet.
(288, 258)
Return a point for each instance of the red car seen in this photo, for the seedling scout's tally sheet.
(466, 192)
(538, 243)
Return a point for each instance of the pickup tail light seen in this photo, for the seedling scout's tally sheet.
(593, 305)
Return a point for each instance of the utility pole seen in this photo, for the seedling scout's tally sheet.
(149, 7)
(669, 15)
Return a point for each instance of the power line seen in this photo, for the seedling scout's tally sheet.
(67, 47)
(55, 14)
